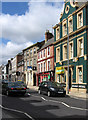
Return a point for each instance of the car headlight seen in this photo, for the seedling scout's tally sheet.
(53, 89)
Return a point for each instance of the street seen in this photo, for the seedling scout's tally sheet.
(33, 106)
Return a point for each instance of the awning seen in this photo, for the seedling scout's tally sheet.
(59, 70)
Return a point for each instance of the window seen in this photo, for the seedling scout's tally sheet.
(24, 65)
(58, 54)
(41, 67)
(34, 50)
(31, 52)
(71, 50)
(79, 74)
(30, 62)
(65, 29)
(48, 65)
(57, 33)
(80, 19)
(27, 52)
(48, 50)
(80, 47)
(44, 66)
(65, 52)
(41, 54)
(44, 53)
(70, 24)
(27, 62)
(34, 62)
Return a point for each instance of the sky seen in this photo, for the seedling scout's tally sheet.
(24, 23)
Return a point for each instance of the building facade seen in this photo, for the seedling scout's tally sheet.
(45, 62)
(20, 67)
(71, 42)
(30, 63)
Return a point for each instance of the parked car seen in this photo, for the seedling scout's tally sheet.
(9, 88)
(4, 81)
(51, 88)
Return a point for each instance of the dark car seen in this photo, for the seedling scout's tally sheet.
(9, 88)
(51, 88)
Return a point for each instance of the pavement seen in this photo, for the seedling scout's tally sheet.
(71, 94)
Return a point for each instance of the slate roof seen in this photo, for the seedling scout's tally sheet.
(81, 3)
(49, 42)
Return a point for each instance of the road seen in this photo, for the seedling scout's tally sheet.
(33, 106)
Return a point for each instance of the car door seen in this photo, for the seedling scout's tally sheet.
(45, 88)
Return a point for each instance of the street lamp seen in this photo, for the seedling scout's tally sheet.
(68, 59)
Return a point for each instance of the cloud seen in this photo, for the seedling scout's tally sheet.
(28, 28)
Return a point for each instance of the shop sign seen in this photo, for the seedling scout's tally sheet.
(59, 70)
(29, 68)
(79, 86)
(48, 76)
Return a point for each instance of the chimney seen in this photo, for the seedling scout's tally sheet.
(48, 35)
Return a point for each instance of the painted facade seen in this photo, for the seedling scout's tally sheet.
(73, 25)
(30, 63)
(45, 62)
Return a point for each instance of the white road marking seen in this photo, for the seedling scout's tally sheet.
(17, 111)
(44, 98)
(72, 107)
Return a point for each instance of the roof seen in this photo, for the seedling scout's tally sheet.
(36, 44)
(81, 4)
(49, 42)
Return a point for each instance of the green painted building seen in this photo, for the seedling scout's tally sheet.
(73, 26)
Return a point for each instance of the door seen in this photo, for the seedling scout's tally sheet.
(69, 78)
(34, 78)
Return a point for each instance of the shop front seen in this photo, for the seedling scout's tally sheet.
(45, 76)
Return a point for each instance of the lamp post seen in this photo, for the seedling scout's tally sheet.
(68, 59)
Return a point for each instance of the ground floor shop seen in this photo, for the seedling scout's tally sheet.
(76, 79)
(45, 76)
(30, 78)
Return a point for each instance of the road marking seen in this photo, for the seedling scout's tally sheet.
(44, 98)
(17, 111)
(72, 107)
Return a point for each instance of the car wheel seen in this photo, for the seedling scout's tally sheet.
(49, 93)
(39, 91)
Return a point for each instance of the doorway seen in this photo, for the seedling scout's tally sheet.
(34, 77)
(69, 78)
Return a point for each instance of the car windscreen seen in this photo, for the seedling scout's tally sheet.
(54, 84)
(13, 84)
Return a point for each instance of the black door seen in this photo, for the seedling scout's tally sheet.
(69, 78)
(34, 77)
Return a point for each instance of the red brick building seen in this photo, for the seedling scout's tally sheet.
(45, 61)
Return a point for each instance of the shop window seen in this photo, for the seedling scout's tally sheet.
(71, 50)
(80, 47)
(80, 74)
(80, 19)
